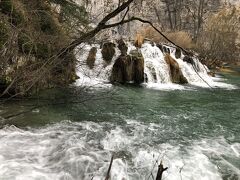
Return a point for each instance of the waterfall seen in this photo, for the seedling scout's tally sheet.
(156, 69)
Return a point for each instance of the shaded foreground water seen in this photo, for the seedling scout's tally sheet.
(196, 132)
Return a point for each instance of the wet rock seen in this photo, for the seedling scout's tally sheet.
(175, 71)
(91, 57)
(178, 53)
(145, 78)
(108, 51)
(120, 72)
(128, 68)
(166, 50)
(212, 73)
(188, 59)
(160, 47)
(122, 47)
(138, 60)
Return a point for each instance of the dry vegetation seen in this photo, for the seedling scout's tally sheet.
(180, 38)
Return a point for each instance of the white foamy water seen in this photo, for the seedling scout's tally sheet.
(155, 67)
(73, 151)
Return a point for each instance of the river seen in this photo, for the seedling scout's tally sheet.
(194, 131)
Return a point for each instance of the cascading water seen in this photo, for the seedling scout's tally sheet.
(156, 70)
(99, 75)
(195, 133)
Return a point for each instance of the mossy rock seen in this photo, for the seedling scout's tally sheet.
(91, 57)
(122, 47)
(108, 51)
(128, 68)
(121, 70)
(138, 61)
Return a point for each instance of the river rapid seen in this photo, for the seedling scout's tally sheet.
(194, 131)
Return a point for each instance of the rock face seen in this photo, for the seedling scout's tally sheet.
(108, 51)
(92, 57)
(175, 71)
(128, 68)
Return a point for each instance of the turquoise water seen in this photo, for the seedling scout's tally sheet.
(195, 132)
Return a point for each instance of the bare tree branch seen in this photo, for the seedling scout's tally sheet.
(109, 169)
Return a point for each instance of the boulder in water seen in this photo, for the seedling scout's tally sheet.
(128, 68)
(91, 57)
(175, 71)
(108, 51)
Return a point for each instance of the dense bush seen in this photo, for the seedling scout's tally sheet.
(31, 38)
